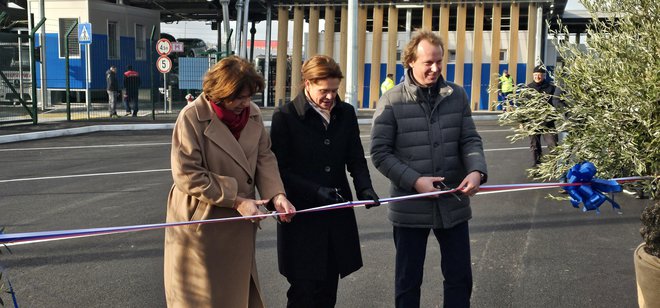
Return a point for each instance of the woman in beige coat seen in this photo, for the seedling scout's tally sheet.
(220, 152)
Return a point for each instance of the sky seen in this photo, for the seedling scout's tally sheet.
(202, 30)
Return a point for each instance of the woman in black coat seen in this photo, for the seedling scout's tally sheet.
(316, 138)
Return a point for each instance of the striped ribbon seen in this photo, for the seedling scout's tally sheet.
(43, 236)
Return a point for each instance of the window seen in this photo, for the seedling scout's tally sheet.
(452, 56)
(503, 55)
(139, 42)
(74, 47)
(113, 40)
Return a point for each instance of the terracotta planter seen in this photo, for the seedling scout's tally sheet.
(647, 272)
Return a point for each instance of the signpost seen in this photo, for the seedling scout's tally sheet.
(164, 65)
(85, 38)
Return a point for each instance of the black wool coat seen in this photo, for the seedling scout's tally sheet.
(310, 156)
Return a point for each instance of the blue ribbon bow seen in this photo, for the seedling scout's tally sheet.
(591, 195)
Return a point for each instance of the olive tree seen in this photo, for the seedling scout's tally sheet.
(611, 99)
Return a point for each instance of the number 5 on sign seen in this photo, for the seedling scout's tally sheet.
(164, 64)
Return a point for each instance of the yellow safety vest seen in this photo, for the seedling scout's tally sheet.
(506, 84)
(386, 85)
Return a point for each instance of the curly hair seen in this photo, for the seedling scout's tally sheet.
(227, 79)
(650, 230)
(410, 52)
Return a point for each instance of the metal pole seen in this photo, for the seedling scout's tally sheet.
(351, 54)
(66, 70)
(244, 27)
(539, 34)
(408, 23)
(269, 22)
(33, 71)
(42, 39)
(88, 80)
(239, 23)
(253, 31)
(151, 73)
(20, 65)
(225, 22)
(165, 93)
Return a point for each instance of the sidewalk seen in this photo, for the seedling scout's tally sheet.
(57, 128)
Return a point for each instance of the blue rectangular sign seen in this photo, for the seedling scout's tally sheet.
(85, 33)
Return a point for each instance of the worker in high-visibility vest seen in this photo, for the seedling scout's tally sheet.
(387, 84)
(505, 88)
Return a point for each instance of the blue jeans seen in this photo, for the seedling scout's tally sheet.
(455, 263)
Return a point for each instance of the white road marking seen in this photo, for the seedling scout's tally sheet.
(87, 147)
(82, 175)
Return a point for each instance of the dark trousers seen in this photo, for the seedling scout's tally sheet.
(307, 293)
(455, 264)
(535, 145)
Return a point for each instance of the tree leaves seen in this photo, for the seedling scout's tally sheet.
(612, 91)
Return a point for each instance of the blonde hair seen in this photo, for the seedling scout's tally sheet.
(320, 67)
(410, 52)
(229, 77)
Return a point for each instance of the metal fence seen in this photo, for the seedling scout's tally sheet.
(161, 96)
(15, 79)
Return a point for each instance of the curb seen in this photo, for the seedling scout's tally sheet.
(129, 127)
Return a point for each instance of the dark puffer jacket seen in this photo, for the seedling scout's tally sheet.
(426, 132)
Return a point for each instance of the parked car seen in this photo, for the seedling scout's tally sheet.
(193, 47)
(168, 36)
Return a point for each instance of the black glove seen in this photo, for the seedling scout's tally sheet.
(329, 195)
(369, 194)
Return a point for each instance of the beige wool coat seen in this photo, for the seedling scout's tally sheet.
(213, 265)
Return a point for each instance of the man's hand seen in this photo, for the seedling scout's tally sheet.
(424, 184)
(470, 185)
(282, 205)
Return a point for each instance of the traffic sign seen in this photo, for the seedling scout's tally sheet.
(164, 47)
(164, 64)
(177, 47)
(85, 33)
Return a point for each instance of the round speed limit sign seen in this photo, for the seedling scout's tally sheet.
(164, 47)
(164, 64)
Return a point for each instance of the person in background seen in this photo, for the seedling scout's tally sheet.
(132, 88)
(387, 84)
(220, 154)
(316, 139)
(423, 139)
(505, 88)
(542, 85)
(112, 87)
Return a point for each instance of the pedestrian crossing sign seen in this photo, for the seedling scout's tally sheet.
(85, 33)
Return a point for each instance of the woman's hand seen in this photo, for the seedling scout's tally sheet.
(249, 207)
(282, 205)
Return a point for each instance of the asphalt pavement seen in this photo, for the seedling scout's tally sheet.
(527, 250)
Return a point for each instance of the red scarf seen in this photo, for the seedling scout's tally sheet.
(235, 122)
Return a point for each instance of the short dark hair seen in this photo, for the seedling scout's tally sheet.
(130, 67)
(390, 75)
(539, 69)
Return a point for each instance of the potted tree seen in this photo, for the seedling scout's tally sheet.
(610, 87)
(647, 258)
